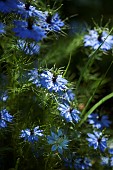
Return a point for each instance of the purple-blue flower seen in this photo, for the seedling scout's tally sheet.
(7, 6)
(82, 163)
(2, 26)
(28, 30)
(99, 122)
(58, 141)
(51, 22)
(30, 48)
(27, 10)
(95, 39)
(66, 96)
(53, 82)
(97, 141)
(34, 77)
(31, 135)
(107, 161)
(4, 118)
(69, 113)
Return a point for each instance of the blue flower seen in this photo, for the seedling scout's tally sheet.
(28, 30)
(99, 122)
(104, 161)
(31, 135)
(28, 48)
(107, 161)
(2, 26)
(51, 23)
(4, 118)
(27, 10)
(69, 113)
(82, 163)
(67, 96)
(94, 40)
(3, 96)
(52, 82)
(59, 141)
(34, 77)
(97, 141)
(7, 6)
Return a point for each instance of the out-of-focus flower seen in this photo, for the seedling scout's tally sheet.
(28, 48)
(27, 10)
(82, 163)
(4, 118)
(2, 26)
(99, 122)
(97, 141)
(34, 77)
(94, 40)
(28, 30)
(58, 141)
(7, 6)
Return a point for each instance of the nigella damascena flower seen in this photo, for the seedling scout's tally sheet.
(70, 114)
(107, 161)
(53, 82)
(7, 6)
(2, 26)
(99, 122)
(82, 163)
(30, 48)
(51, 22)
(31, 135)
(66, 96)
(97, 140)
(3, 96)
(34, 77)
(4, 118)
(27, 10)
(28, 30)
(58, 141)
(95, 39)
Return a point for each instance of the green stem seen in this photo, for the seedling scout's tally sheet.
(90, 61)
(90, 99)
(96, 106)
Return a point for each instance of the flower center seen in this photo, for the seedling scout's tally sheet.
(32, 132)
(30, 24)
(27, 5)
(100, 38)
(48, 19)
(54, 78)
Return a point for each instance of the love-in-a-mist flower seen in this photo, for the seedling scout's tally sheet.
(107, 161)
(7, 6)
(3, 96)
(27, 10)
(98, 121)
(69, 113)
(82, 163)
(52, 82)
(51, 22)
(31, 135)
(34, 77)
(2, 26)
(30, 48)
(66, 96)
(97, 140)
(58, 141)
(28, 30)
(95, 39)
(4, 118)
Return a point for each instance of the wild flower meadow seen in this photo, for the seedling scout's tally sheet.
(51, 116)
